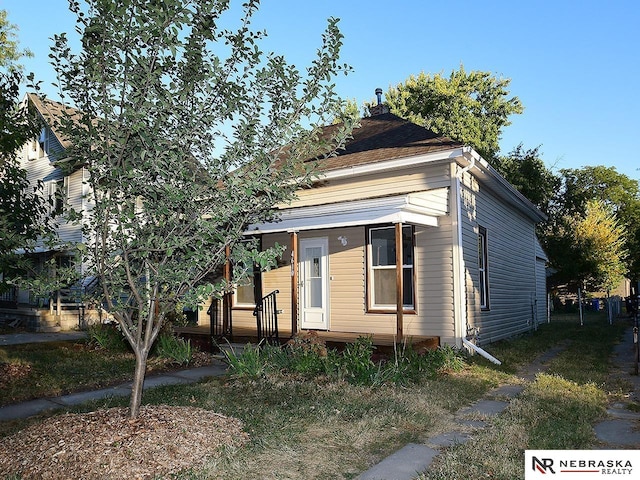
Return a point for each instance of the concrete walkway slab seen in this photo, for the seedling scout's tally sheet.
(448, 439)
(508, 391)
(405, 464)
(619, 432)
(83, 397)
(195, 374)
(26, 409)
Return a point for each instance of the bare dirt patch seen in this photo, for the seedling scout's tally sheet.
(106, 444)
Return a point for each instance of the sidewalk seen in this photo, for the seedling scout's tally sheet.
(30, 337)
(34, 407)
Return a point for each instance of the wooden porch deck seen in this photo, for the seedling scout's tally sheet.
(248, 335)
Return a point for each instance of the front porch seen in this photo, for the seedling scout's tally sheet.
(201, 335)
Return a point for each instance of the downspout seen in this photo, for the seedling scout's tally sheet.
(461, 322)
(459, 294)
(482, 352)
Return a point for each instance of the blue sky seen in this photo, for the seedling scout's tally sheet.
(575, 65)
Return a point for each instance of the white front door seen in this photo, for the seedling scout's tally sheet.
(314, 285)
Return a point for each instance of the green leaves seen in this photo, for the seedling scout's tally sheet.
(190, 133)
(471, 108)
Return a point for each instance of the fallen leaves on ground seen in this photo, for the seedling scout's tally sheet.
(107, 444)
(10, 372)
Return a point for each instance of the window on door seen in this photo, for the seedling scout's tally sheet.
(483, 268)
(382, 268)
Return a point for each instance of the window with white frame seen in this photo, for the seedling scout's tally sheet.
(57, 195)
(382, 272)
(483, 272)
(244, 294)
(245, 290)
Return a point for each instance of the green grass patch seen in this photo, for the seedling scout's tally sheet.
(37, 370)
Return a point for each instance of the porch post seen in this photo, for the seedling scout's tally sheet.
(294, 283)
(226, 307)
(58, 302)
(399, 279)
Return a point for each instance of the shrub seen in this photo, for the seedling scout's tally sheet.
(308, 354)
(356, 365)
(108, 337)
(174, 348)
(248, 363)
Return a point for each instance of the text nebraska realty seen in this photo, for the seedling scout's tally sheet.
(606, 467)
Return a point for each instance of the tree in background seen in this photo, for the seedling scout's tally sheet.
(471, 108)
(10, 52)
(19, 203)
(526, 171)
(617, 192)
(190, 133)
(601, 241)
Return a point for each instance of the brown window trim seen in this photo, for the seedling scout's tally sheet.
(412, 310)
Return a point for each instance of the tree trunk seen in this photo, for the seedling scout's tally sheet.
(138, 382)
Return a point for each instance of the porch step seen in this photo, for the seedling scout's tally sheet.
(48, 323)
(47, 328)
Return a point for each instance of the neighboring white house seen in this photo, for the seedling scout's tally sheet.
(43, 159)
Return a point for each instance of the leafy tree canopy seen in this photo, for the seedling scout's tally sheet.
(10, 52)
(190, 133)
(471, 108)
(526, 171)
(21, 206)
(580, 192)
(600, 241)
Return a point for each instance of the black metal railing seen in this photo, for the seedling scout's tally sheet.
(266, 313)
(9, 298)
(220, 317)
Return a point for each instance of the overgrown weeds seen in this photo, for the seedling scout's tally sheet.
(307, 356)
(108, 337)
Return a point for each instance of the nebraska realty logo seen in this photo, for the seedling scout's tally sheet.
(581, 464)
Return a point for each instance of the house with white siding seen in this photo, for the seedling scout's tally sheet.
(405, 234)
(44, 160)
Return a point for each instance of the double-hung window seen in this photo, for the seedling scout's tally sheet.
(483, 272)
(382, 273)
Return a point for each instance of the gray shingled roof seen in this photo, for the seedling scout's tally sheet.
(385, 137)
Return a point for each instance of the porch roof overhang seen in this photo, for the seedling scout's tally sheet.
(422, 208)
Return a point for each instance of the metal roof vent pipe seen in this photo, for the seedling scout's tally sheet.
(379, 95)
(380, 108)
